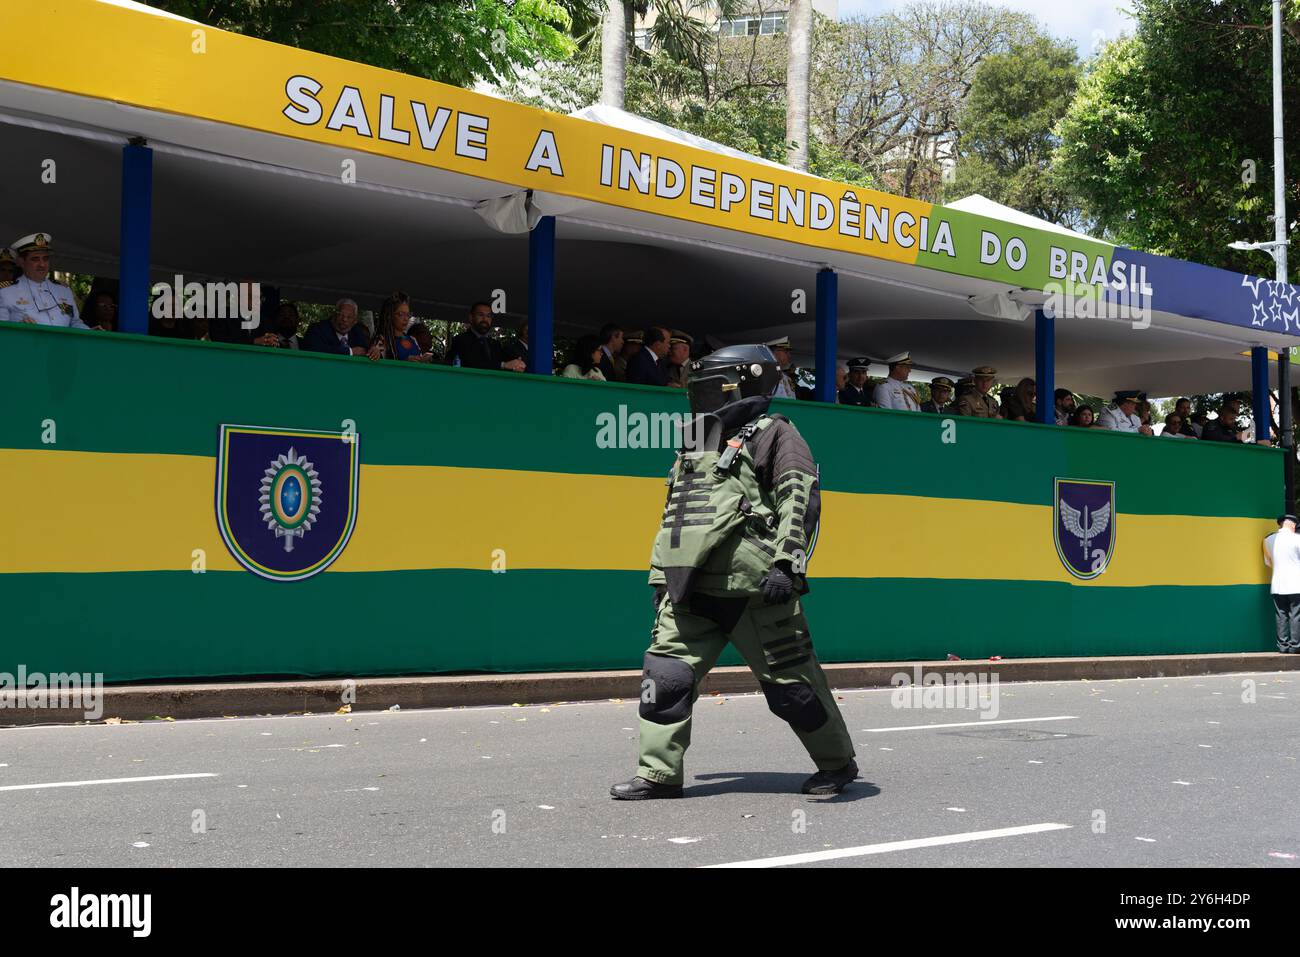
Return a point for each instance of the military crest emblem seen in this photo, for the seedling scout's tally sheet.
(286, 499)
(1084, 516)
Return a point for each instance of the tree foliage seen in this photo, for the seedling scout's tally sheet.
(1006, 139)
(1169, 140)
(890, 88)
(454, 41)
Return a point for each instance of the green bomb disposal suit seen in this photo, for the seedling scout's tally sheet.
(744, 499)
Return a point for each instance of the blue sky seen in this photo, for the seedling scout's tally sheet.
(1083, 21)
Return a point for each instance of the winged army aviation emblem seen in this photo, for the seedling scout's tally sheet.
(1084, 525)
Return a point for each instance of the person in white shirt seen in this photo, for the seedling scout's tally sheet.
(1121, 415)
(1283, 554)
(781, 349)
(34, 297)
(894, 392)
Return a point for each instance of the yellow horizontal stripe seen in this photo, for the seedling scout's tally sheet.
(111, 512)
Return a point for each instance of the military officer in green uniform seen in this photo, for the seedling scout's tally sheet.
(729, 564)
(977, 402)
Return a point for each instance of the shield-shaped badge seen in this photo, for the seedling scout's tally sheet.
(286, 498)
(1084, 525)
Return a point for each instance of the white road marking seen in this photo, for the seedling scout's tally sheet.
(974, 724)
(77, 784)
(891, 846)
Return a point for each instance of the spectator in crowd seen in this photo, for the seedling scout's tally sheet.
(646, 367)
(474, 348)
(1268, 542)
(1083, 417)
(392, 338)
(100, 311)
(1144, 411)
(679, 356)
(585, 360)
(978, 402)
(855, 393)
(285, 335)
(171, 327)
(941, 390)
(423, 338)
(1064, 400)
(34, 297)
(633, 342)
(894, 392)
(1174, 427)
(338, 334)
(517, 348)
(1022, 404)
(785, 388)
(1184, 409)
(1121, 414)
(1225, 427)
(611, 345)
(9, 269)
(1284, 557)
(841, 378)
(1198, 423)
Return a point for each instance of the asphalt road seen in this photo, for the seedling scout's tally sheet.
(1144, 772)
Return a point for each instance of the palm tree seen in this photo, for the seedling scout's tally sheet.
(613, 53)
(798, 25)
(680, 29)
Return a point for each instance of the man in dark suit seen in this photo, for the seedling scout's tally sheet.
(474, 348)
(647, 366)
(339, 334)
(855, 390)
(611, 344)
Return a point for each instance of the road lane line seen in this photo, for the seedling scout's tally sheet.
(891, 846)
(974, 724)
(77, 784)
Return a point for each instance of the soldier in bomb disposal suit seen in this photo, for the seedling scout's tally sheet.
(726, 573)
(34, 297)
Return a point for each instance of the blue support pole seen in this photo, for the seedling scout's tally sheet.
(828, 311)
(541, 297)
(133, 248)
(1045, 366)
(1259, 390)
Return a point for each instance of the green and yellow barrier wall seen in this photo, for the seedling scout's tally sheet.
(928, 547)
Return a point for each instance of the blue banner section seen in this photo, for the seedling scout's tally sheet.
(1204, 292)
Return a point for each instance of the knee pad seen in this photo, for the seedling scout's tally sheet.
(796, 703)
(667, 698)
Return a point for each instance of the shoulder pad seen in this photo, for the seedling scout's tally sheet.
(779, 417)
(55, 282)
(7, 282)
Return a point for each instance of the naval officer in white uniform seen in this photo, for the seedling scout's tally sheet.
(894, 392)
(34, 297)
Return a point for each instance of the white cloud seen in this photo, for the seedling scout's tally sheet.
(1086, 22)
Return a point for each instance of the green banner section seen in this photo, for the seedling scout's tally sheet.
(178, 625)
(119, 393)
(982, 579)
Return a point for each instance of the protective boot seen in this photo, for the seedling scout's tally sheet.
(639, 789)
(831, 782)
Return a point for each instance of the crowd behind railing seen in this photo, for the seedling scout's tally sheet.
(655, 356)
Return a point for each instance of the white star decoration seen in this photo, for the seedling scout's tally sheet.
(1267, 309)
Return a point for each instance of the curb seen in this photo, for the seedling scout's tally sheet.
(317, 696)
